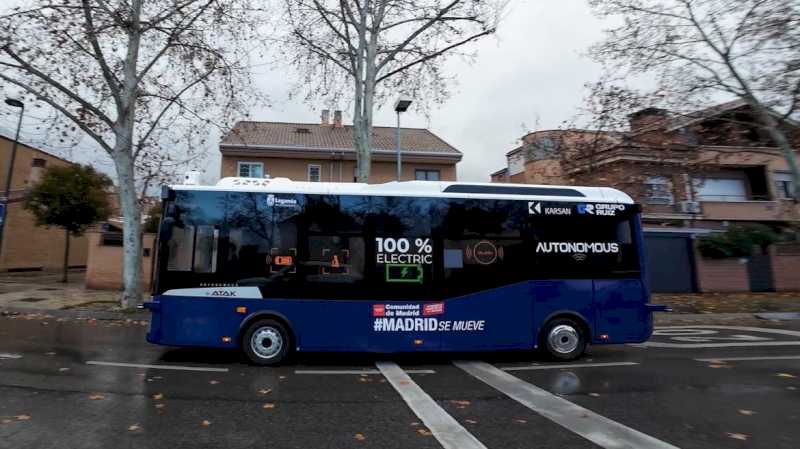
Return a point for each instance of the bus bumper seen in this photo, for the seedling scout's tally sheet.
(658, 308)
(154, 334)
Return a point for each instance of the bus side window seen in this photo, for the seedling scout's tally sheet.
(336, 258)
(180, 248)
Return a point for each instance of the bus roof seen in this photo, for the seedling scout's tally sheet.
(434, 189)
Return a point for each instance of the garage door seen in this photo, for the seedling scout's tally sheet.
(669, 263)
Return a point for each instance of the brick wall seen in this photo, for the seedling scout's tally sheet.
(25, 245)
(786, 267)
(296, 169)
(721, 275)
(104, 264)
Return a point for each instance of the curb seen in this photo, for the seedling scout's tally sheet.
(78, 313)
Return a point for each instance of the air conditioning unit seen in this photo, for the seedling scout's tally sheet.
(690, 207)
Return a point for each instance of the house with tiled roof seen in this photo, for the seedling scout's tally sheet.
(324, 152)
(693, 174)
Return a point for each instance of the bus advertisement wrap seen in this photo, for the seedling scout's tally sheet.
(418, 318)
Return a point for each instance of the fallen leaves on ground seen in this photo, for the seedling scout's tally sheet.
(521, 421)
(269, 405)
(265, 391)
(713, 365)
(213, 382)
(205, 423)
(6, 421)
(159, 405)
(414, 424)
(23, 417)
(738, 436)
(359, 437)
(281, 377)
(746, 412)
(158, 396)
(404, 382)
(61, 370)
(96, 396)
(471, 421)
(594, 395)
(134, 427)
(460, 404)
(787, 375)
(424, 432)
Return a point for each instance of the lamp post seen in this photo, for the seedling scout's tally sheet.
(401, 105)
(10, 171)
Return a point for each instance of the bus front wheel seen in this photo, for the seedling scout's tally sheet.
(563, 339)
(266, 342)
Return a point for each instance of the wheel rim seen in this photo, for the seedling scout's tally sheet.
(564, 339)
(266, 342)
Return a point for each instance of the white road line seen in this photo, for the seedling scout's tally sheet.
(449, 433)
(170, 367)
(5, 355)
(595, 428)
(656, 344)
(565, 365)
(745, 359)
(358, 371)
(737, 328)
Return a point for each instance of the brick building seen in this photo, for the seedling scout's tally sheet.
(693, 174)
(324, 152)
(26, 246)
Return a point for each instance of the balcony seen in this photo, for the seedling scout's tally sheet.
(755, 210)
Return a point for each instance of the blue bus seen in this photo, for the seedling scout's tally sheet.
(273, 266)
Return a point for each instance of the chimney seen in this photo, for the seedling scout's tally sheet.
(646, 117)
(337, 119)
(326, 117)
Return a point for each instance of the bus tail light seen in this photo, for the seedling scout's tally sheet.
(241, 309)
(418, 342)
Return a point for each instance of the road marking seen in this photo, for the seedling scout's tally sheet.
(667, 330)
(596, 428)
(449, 433)
(737, 328)
(565, 365)
(745, 359)
(172, 367)
(358, 371)
(655, 344)
(6, 355)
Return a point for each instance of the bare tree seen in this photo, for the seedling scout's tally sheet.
(382, 46)
(699, 49)
(120, 71)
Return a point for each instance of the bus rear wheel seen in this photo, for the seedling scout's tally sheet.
(266, 342)
(563, 339)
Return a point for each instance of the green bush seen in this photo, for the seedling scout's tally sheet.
(737, 241)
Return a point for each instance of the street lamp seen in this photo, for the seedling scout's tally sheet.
(401, 105)
(14, 103)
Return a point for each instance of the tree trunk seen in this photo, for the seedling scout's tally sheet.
(64, 275)
(131, 233)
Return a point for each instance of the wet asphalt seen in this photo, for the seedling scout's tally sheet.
(51, 398)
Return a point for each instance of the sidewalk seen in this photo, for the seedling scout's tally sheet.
(45, 291)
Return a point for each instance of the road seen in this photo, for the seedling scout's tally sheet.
(96, 384)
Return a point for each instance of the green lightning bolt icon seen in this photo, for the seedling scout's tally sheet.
(404, 273)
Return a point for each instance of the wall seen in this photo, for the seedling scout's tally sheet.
(786, 266)
(722, 275)
(296, 169)
(104, 264)
(25, 245)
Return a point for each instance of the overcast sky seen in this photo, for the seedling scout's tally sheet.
(532, 72)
